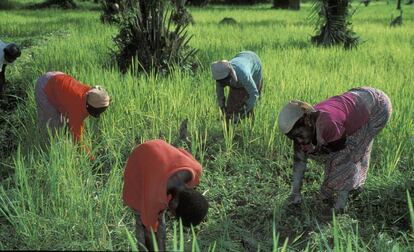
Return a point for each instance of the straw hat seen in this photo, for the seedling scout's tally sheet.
(221, 69)
(97, 97)
(291, 113)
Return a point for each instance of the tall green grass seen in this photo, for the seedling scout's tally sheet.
(56, 198)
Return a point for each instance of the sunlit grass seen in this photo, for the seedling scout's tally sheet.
(58, 199)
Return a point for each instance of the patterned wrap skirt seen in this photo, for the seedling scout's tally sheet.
(346, 170)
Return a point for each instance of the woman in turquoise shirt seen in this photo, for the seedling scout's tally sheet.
(243, 74)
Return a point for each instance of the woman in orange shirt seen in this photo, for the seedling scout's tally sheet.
(61, 98)
(160, 177)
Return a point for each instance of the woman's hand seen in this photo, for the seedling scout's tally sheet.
(308, 148)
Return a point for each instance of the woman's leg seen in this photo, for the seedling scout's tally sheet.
(140, 233)
(161, 235)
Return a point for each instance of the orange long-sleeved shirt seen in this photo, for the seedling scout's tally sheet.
(68, 96)
(148, 169)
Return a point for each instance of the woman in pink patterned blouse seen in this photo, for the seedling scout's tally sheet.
(339, 132)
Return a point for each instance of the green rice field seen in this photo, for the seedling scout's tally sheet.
(54, 198)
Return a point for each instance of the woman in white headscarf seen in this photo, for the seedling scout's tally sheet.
(60, 98)
(243, 74)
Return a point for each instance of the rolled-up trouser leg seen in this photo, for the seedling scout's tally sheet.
(47, 115)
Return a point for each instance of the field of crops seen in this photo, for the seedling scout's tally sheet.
(55, 198)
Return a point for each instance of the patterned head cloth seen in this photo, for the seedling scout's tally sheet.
(221, 69)
(98, 97)
(291, 113)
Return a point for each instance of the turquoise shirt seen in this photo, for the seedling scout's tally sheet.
(248, 69)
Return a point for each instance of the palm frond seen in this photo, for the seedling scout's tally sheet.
(148, 34)
(333, 24)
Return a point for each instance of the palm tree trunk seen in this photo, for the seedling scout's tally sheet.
(398, 4)
(286, 4)
(294, 4)
(280, 4)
